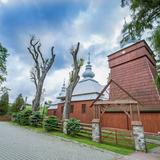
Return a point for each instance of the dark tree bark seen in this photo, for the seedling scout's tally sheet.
(74, 78)
(39, 71)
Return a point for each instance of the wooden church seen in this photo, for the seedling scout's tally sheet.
(134, 69)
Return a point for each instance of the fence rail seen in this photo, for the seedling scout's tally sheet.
(117, 136)
(86, 130)
(108, 135)
(59, 127)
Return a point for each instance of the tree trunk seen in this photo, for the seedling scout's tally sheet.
(66, 111)
(74, 78)
(36, 101)
(67, 106)
(39, 71)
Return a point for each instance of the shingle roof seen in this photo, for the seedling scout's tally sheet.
(88, 85)
(87, 88)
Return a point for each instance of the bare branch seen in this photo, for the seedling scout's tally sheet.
(52, 52)
(77, 49)
(40, 70)
(51, 60)
(74, 53)
(39, 51)
(33, 78)
(34, 54)
(74, 78)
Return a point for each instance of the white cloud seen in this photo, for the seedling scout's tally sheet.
(101, 70)
(18, 79)
(99, 36)
(4, 1)
(54, 81)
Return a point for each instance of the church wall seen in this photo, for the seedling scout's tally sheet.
(115, 120)
(150, 121)
(112, 119)
(52, 111)
(77, 111)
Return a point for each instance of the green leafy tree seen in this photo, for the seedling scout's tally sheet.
(3, 70)
(145, 16)
(4, 103)
(18, 105)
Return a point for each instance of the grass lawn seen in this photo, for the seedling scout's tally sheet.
(86, 141)
(151, 146)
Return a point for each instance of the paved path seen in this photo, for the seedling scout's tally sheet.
(152, 155)
(21, 144)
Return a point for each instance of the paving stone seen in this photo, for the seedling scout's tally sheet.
(17, 143)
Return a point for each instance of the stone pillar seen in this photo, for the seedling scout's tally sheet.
(96, 130)
(65, 126)
(138, 134)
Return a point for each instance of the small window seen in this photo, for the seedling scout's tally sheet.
(83, 108)
(62, 109)
(72, 108)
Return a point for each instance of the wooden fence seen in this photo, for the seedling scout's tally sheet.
(108, 135)
(117, 136)
(59, 127)
(5, 118)
(86, 129)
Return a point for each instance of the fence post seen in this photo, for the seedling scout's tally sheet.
(116, 136)
(138, 134)
(96, 130)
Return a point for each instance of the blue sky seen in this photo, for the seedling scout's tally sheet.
(96, 24)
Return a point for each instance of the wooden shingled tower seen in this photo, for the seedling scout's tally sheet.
(134, 69)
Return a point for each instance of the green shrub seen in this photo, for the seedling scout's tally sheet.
(23, 117)
(14, 117)
(50, 123)
(18, 117)
(73, 126)
(35, 119)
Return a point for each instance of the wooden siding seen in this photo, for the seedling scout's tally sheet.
(150, 121)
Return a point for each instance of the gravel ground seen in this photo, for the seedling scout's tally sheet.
(17, 143)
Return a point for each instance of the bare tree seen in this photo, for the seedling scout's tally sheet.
(39, 71)
(74, 78)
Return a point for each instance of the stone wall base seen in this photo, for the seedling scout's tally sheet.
(96, 130)
(138, 134)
